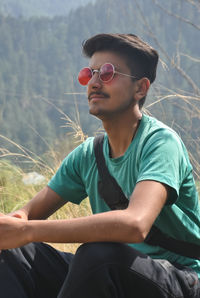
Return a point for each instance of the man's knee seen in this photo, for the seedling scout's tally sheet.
(99, 253)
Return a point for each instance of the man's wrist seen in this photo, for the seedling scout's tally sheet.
(29, 229)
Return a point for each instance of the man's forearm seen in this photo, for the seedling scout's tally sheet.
(112, 226)
(109, 226)
(129, 225)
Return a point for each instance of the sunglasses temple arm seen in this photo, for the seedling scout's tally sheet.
(127, 75)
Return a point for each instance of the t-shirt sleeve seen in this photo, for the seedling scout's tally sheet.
(163, 159)
(67, 181)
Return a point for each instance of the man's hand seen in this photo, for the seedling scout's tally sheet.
(13, 232)
(19, 214)
(15, 227)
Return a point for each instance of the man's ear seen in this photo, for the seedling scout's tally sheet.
(142, 88)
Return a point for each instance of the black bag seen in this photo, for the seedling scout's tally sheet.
(114, 197)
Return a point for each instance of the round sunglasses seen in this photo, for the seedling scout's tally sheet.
(106, 74)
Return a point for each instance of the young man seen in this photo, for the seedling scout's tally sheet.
(151, 165)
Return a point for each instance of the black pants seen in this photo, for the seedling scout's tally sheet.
(97, 270)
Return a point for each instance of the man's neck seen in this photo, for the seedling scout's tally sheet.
(121, 132)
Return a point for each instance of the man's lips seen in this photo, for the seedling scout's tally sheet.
(97, 95)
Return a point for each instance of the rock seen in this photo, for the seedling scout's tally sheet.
(33, 178)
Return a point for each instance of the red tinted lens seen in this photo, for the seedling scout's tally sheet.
(106, 72)
(84, 75)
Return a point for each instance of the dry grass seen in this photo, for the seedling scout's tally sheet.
(14, 194)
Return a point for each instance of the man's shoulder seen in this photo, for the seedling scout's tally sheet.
(154, 128)
(85, 149)
(156, 124)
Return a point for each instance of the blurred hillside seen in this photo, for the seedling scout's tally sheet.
(40, 59)
(49, 8)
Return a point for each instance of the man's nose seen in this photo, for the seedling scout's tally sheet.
(95, 81)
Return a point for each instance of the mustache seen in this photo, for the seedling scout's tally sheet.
(106, 95)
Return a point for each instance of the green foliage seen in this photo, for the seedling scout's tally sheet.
(40, 56)
(40, 59)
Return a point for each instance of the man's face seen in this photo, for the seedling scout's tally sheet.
(112, 98)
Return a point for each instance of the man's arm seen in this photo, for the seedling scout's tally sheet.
(129, 225)
(45, 203)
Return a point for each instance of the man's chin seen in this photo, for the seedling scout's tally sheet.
(101, 115)
(96, 112)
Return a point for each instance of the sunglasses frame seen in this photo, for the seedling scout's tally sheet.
(99, 73)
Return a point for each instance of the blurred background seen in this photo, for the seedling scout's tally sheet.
(43, 110)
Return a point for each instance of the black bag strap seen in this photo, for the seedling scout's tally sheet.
(112, 194)
(180, 247)
(108, 187)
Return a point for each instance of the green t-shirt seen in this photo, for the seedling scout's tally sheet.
(156, 153)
